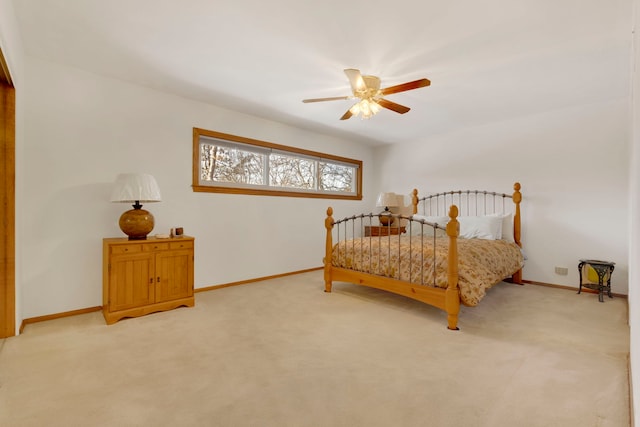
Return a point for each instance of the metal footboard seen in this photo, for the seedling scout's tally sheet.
(414, 233)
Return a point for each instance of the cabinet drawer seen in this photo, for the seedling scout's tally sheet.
(182, 245)
(126, 249)
(149, 247)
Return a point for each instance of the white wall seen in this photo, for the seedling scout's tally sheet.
(10, 41)
(634, 247)
(11, 46)
(83, 129)
(573, 167)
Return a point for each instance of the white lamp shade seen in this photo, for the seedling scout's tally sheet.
(135, 187)
(387, 200)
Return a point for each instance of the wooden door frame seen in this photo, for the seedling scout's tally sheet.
(7, 202)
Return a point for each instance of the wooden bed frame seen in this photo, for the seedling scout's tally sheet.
(445, 299)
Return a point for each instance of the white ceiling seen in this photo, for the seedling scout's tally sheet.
(488, 60)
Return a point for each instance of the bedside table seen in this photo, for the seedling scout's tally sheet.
(601, 283)
(382, 230)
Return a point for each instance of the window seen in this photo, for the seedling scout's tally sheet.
(225, 163)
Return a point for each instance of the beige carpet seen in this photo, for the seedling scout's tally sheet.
(284, 353)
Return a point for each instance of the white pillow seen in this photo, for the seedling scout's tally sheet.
(418, 229)
(507, 226)
(480, 227)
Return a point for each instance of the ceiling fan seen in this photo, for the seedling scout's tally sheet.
(367, 90)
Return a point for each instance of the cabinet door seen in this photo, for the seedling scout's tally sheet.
(131, 281)
(174, 271)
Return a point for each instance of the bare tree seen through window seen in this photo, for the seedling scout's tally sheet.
(233, 165)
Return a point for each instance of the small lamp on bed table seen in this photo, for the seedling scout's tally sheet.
(386, 200)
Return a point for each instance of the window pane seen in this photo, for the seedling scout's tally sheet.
(291, 172)
(334, 177)
(223, 164)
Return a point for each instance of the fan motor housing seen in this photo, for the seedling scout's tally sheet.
(372, 87)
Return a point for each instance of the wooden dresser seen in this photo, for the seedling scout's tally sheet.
(144, 276)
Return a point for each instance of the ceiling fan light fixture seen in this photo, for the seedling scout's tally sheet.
(371, 98)
(374, 106)
(366, 108)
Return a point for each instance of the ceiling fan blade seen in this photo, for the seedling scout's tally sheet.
(405, 86)
(356, 80)
(346, 115)
(393, 106)
(335, 98)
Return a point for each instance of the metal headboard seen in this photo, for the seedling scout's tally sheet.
(469, 202)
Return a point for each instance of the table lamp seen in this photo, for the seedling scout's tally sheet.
(135, 188)
(386, 200)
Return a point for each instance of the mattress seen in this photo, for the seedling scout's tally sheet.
(423, 260)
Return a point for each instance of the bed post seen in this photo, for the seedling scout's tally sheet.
(414, 201)
(328, 224)
(452, 294)
(517, 198)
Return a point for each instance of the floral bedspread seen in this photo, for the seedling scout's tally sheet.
(481, 263)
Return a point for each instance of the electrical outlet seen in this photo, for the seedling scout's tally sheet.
(562, 271)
